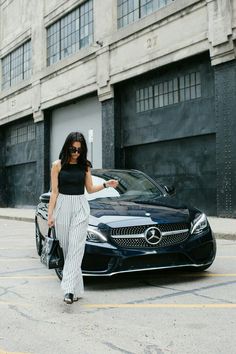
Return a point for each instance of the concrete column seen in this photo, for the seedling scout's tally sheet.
(104, 24)
(38, 39)
(105, 20)
(42, 159)
(220, 32)
(108, 134)
(225, 105)
(2, 171)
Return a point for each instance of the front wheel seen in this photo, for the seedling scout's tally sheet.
(38, 239)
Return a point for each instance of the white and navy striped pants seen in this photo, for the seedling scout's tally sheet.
(71, 215)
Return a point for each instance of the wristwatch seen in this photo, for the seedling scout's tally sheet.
(104, 185)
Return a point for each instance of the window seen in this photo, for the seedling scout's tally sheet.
(190, 86)
(166, 93)
(144, 99)
(16, 66)
(129, 11)
(179, 89)
(71, 33)
(21, 134)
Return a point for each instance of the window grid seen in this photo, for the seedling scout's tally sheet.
(71, 33)
(13, 137)
(22, 134)
(190, 86)
(31, 131)
(129, 11)
(170, 92)
(166, 93)
(146, 7)
(53, 43)
(16, 66)
(144, 99)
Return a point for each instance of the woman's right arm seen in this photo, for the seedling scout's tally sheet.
(54, 192)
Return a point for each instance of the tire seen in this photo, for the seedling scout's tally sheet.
(59, 272)
(38, 239)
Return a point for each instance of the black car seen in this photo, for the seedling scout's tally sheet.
(138, 226)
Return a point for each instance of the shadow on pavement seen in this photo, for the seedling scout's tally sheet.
(140, 279)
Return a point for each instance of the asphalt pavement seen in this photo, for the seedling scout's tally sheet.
(224, 228)
(156, 312)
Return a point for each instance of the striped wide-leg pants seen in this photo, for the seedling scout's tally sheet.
(71, 215)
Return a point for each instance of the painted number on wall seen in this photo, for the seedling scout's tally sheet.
(13, 103)
(151, 42)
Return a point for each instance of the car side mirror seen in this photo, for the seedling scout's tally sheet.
(170, 190)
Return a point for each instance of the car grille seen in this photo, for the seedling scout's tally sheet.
(140, 229)
(134, 236)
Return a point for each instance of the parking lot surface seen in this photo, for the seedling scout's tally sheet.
(150, 312)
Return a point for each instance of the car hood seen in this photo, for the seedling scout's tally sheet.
(125, 212)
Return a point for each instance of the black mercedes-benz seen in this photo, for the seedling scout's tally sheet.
(138, 226)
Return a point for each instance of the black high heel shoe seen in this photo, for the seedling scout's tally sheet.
(69, 298)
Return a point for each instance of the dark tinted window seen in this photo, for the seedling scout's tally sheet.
(131, 183)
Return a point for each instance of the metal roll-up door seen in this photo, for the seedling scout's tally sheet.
(189, 164)
(84, 116)
(20, 164)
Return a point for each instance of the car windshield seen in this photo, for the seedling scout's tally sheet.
(132, 185)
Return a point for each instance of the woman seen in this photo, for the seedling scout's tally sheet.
(68, 209)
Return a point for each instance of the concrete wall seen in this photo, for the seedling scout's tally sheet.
(183, 29)
(179, 30)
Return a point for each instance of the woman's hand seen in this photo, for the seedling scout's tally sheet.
(51, 221)
(112, 183)
(96, 188)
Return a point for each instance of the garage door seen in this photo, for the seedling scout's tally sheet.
(21, 184)
(189, 164)
(20, 164)
(84, 116)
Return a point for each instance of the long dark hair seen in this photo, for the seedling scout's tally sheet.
(64, 155)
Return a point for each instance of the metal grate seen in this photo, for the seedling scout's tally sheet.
(138, 240)
(135, 230)
(134, 242)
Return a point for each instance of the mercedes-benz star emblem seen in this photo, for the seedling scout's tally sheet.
(153, 235)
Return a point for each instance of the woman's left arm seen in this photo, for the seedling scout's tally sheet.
(92, 189)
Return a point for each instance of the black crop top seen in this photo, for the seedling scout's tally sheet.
(71, 179)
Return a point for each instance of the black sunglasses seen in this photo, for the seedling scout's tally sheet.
(73, 150)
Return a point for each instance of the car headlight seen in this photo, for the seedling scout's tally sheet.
(93, 235)
(199, 224)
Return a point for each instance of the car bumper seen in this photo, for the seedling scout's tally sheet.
(107, 259)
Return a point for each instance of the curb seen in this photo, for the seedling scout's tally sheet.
(17, 218)
(217, 235)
